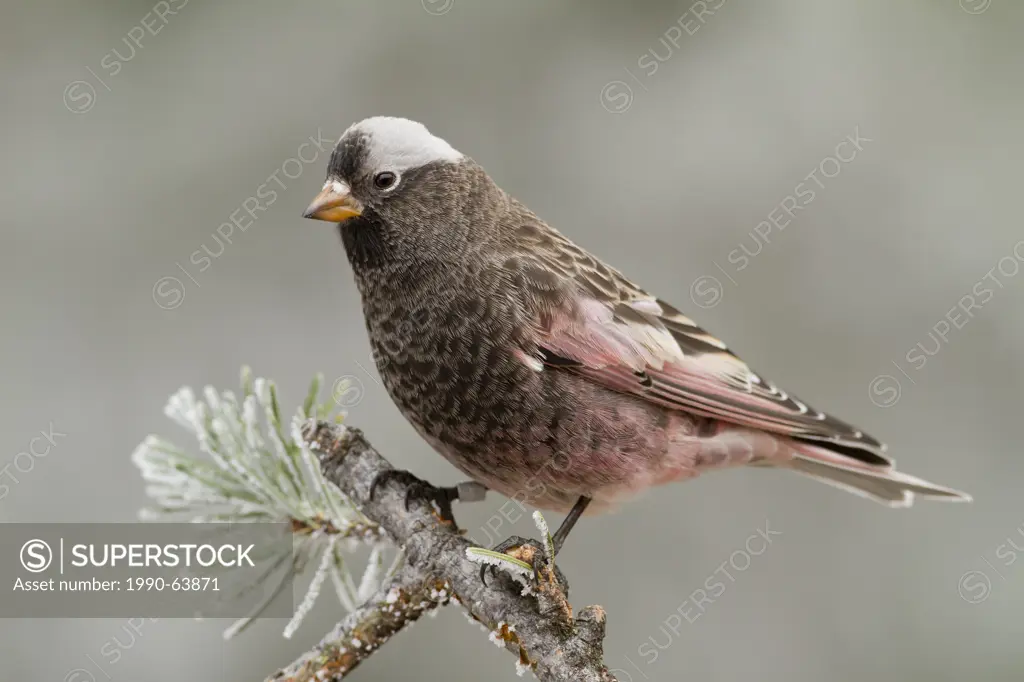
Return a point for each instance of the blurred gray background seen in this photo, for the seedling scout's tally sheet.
(111, 181)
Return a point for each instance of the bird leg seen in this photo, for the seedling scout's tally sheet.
(570, 520)
(539, 551)
(467, 491)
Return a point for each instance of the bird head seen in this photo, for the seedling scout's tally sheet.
(386, 167)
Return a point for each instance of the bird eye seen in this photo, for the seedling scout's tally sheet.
(385, 180)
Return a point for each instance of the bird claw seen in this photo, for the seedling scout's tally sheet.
(417, 488)
(533, 553)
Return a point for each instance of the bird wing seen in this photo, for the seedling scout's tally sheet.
(588, 318)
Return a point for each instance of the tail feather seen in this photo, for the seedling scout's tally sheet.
(881, 483)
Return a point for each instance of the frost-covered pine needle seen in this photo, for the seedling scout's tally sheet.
(256, 468)
(511, 565)
(342, 589)
(313, 591)
(545, 532)
(371, 577)
(549, 542)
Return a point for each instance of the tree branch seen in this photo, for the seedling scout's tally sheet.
(536, 625)
(400, 602)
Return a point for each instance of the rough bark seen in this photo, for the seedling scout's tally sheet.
(537, 627)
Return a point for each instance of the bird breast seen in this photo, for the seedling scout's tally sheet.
(446, 358)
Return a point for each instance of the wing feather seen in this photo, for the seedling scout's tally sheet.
(605, 327)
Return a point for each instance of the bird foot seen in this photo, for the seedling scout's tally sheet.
(441, 498)
(545, 572)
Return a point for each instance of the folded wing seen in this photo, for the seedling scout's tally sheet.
(590, 319)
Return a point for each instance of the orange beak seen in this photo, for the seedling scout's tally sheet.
(335, 203)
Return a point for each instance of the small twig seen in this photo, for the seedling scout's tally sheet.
(538, 628)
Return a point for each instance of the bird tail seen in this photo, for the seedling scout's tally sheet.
(878, 482)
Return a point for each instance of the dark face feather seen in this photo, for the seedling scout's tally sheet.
(436, 215)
